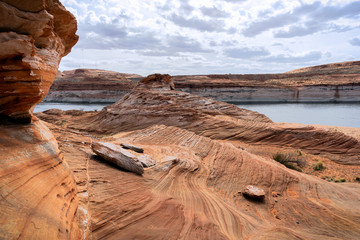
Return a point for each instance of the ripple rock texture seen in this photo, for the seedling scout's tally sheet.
(193, 192)
(34, 36)
(38, 192)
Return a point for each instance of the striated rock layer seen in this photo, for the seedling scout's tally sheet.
(217, 120)
(34, 36)
(38, 193)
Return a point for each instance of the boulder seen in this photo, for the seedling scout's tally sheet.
(254, 192)
(132, 147)
(157, 81)
(118, 156)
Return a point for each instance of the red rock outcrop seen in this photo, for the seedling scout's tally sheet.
(34, 36)
(157, 81)
(38, 192)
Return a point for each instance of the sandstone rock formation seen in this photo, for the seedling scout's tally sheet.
(34, 36)
(145, 107)
(157, 82)
(118, 156)
(38, 193)
(206, 154)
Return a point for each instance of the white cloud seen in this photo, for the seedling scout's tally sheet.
(215, 36)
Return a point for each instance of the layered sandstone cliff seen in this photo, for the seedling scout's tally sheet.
(38, 193)
(338, 82)
(34, 37)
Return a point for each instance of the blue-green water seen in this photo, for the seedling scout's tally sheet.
(332, 114)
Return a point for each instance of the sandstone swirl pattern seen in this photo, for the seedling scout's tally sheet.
(194, 192)
(38, 194)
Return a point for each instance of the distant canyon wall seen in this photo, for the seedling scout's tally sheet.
(337, 82)
(278, 95)
(235, 94)
(86, 96)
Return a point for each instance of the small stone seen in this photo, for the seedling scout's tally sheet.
(146, 160)
(275, 194)
(132, 147)
(254, 192)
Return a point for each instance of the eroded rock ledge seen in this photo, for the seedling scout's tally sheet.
(34, 36)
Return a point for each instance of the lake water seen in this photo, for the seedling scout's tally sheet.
(69, 106)
(332, 114)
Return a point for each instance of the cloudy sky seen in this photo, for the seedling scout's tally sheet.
(212, 36)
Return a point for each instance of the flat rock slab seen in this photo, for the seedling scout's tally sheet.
(146, 161)
(132, 147)
(254, 192)
(119, 156)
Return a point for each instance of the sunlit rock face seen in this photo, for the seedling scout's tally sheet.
(34, 36)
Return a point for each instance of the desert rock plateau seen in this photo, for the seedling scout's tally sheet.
(162, 162)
